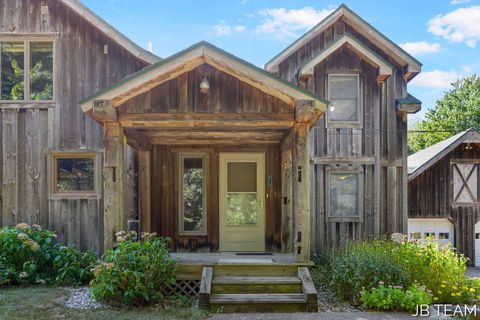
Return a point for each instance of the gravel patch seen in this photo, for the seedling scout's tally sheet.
(328, 303)
(81, 298)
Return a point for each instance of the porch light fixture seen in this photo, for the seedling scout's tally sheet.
(204, 85)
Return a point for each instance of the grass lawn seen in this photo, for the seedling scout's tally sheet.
(48, 303)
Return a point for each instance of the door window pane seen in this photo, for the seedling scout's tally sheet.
(75, 174)
(344, 194)
(193, 201)
(12, 73)
(241, 209)
(444, 235)
(343, 98)
(242, 193)
(242, 177)
(41, 70)
(415, 235)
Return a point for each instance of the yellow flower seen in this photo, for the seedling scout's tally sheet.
(435, 299)
(459, 294)
(452, 294)
(443, 286)
(464, 288)
(443, 281)
(439, 292)
(454, 287)
(472, 290)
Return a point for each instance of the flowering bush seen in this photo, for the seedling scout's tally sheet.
(134, 272)
(394, 298)
(30, 255)
(359, 266)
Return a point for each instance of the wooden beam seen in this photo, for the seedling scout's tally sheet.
(306, 111)
(145, 190)
(137, 141)
(272, 121)
(113, 182)
(205, 287)
(200, 141)
(341, 160)
(103, 110)
(301, 192)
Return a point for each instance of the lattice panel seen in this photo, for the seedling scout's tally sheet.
(189, 288)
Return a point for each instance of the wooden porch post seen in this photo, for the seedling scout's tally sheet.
(304, 112)
(144, 190)
(113, 180)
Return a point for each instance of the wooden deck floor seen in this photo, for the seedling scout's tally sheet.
(209, 259)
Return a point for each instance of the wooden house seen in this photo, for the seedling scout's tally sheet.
(203, 147)
(444, 193)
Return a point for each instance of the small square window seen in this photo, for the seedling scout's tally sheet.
(74, 174)
(444, 235)
(429, 234)
(415, 235)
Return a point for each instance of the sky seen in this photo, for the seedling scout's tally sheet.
(442, 34)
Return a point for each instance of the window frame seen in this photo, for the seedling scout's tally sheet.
(27, 39)
(360, 187)
(345, 123)
(55, 194)
(453, 168)
(196, 155)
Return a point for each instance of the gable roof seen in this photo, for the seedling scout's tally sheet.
(192, 57)
(110, 31)
(422, 160)
(385, 67)
(363, 27)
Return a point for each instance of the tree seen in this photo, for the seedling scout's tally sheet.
(458, 110)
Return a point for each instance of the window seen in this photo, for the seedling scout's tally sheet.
(465, 182)
(443, 235)
(344, 102)
(429, 234)
(74, 174)
(344, 195)
(242, 193)
(26, 70)
(193, 193)
(415, 235)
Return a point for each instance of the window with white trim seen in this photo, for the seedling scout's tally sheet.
(192, 195)
(26, 70)
(343, 94)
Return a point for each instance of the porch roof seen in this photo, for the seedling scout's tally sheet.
(192, 57)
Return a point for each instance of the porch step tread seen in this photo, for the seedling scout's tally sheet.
(259, 298)
(255, 280)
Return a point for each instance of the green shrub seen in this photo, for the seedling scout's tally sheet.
(134, 272)
(362, 265)
(30, 255)
(394, 298)
(358, 265)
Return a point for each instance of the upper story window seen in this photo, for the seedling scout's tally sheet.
(26, 70)
(465, 182)
(343, 93)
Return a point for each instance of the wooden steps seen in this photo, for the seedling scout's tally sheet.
(257, 288)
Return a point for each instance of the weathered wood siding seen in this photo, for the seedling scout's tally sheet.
(165, 193)
(430, 195)
(28, 133)
(226, 95)
(378, 146)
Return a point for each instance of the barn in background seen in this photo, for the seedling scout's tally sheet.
(444, 193)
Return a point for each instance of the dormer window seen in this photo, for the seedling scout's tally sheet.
(344, 108)
(26, 70)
